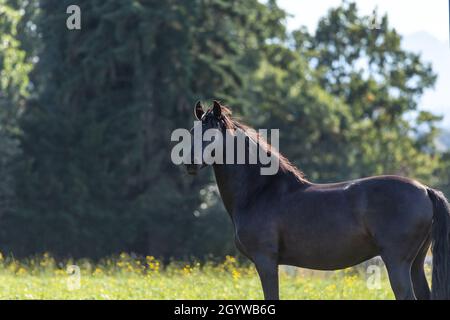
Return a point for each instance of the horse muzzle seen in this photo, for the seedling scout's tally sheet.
(192, 169)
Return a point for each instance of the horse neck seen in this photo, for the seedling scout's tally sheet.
(241, 184)
(237, 183)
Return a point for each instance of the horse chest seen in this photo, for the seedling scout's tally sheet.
(254, 237)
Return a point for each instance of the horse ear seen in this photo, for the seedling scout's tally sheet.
(217, 109)
(198, 111)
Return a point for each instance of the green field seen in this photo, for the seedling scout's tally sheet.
(131, 278)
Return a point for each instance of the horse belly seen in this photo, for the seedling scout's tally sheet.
(326, 249)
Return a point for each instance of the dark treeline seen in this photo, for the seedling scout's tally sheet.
(86, 115)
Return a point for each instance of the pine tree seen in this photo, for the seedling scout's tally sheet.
(14, 72)
(97, 176)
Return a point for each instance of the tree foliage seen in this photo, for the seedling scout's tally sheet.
(94, 176)
(14, 81)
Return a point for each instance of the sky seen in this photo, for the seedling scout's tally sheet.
(424, 25)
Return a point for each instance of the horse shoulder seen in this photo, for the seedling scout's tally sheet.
(254, 232)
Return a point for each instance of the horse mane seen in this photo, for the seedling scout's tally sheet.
(285, 165)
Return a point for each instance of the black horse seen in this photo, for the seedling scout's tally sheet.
(283, 219)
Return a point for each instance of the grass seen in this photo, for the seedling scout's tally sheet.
(125, 277)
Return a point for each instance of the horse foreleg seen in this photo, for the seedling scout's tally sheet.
(268, 274)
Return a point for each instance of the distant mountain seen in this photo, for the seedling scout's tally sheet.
(438, 53)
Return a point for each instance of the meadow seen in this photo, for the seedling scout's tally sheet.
(127, 277)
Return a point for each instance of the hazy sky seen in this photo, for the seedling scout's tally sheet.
(408, 17)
